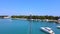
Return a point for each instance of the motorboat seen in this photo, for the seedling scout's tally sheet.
(58, 26)
(48, 30)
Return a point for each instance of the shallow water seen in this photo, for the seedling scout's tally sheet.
(8, 26)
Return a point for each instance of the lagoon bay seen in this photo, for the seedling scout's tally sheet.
(9, 26)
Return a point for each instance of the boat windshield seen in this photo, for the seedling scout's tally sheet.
(47, 29)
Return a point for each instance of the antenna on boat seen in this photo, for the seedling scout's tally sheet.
(30, 23)
(30, 31)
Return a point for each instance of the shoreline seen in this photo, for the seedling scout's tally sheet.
(46, 20)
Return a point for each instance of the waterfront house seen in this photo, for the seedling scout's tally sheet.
(3, 16)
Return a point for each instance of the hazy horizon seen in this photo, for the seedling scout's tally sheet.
(27, 7)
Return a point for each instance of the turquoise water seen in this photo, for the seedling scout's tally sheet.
(8, 26)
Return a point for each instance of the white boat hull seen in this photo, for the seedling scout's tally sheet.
(50, 32)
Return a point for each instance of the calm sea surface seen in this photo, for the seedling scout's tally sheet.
(8, 26)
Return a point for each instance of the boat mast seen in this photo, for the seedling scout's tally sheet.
(30, 25)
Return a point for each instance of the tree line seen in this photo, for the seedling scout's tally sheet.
(37, 17)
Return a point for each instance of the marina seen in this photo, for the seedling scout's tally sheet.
(23, 26)
(29, 16)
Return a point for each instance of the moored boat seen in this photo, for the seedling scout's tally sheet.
(58, 26)
(48, 30)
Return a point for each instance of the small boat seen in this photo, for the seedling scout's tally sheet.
(58, 26)
(48, 30)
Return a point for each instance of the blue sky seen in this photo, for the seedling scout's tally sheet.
(27, 7)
